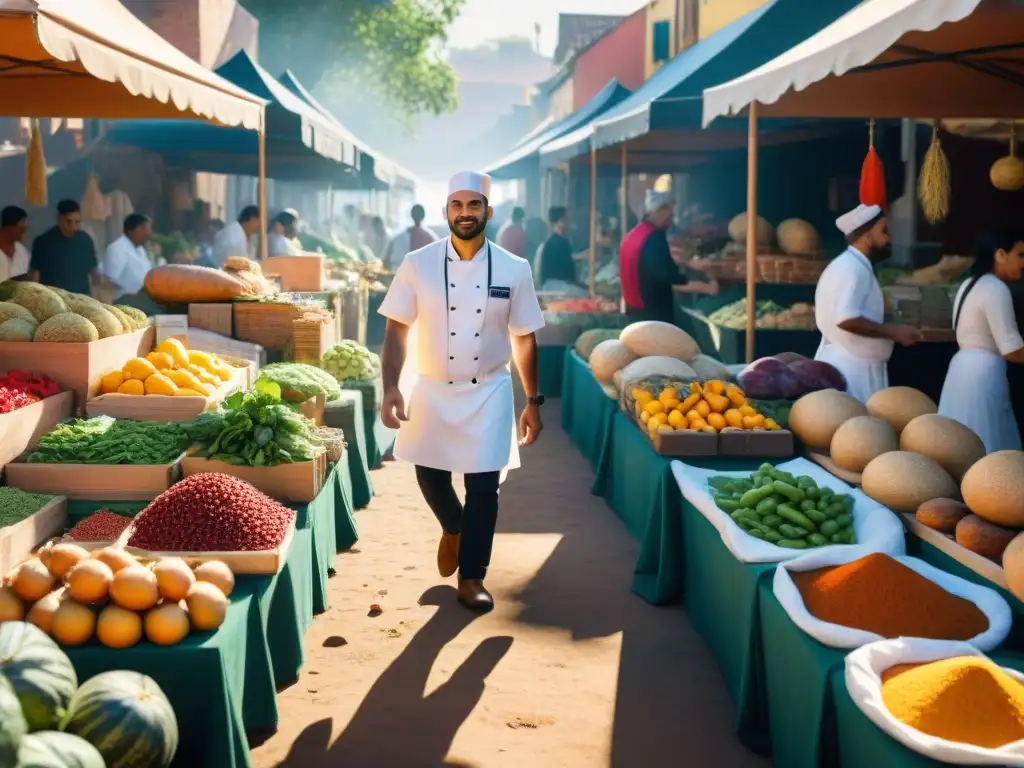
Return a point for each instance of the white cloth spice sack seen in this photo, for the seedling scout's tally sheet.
(876, 527)
(989, 602)
(864, 669)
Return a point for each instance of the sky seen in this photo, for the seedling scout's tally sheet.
(486, 20)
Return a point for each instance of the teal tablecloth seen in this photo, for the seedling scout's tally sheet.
(333, 529)
(638, 485)
(586, 410)
(347, 414)
(380, 440)
(550, 360)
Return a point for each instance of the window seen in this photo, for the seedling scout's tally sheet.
(661, 41)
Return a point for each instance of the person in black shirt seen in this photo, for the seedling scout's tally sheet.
(554, 259)
(65, 256)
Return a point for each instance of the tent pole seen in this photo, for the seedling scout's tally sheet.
(624, 206)
(751, 227)
(262, 141)
(592, 280)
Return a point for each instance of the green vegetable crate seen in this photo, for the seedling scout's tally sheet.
(299, 482)
(95, 482)
(18, 541)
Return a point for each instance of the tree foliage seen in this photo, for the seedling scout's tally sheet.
(389, 49)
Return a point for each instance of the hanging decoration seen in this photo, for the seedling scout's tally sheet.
(872, 175)
(95, 206)
(933, 184)
(1007, 173)
(35, 168)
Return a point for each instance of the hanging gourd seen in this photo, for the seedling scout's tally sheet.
(1007, 173)
(872, 175)
(94, 202)
(933, 185)
(35, 168)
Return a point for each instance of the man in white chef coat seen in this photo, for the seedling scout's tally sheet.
(849, 307)
(475, 308)
(236, 239)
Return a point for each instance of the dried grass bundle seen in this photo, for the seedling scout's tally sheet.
(934, 184)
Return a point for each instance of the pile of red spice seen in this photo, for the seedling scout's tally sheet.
(100, 526)
(20, 388)
(211, 513)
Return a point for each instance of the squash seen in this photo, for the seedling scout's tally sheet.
(207, 606)
(994, 488)
(942, 514)
(73, 623)
(608, 358)
(32, 580)
(12, 724)
(39, 672)
(187, 284)
(89, 581)
(118, 628)
(650, 338)
(135, 588)
(53, 749)
(983, 538)
(217, 573)
(587, 340)
(167, 624)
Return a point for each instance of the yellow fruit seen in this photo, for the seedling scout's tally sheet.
(733, 418)
(718, 403)
(642, 396)
(771, 425)
(176, 350)
(691, 401)
(695, 388)
(167, 624)
(185, 392)
(203, 375)
(111, 381)
(11, 607)
(713, 387)
(118, 628)
(717, 421)
(747, 410)
(676, 420)
(135, 588)
(645, 417)
(73, 623)
(183, 378)
(669, 393)
(703, 408)
(694, 415)
(698, 425)
(207, 606)
(89, 582)
(202, 359)
(160, 360)
(652, 425)
(655, 406)
(222, 371)
(670, 404)
(204, 389)
(659, 418)
(749, 422)
(735, 395)
(217, 573)
(708, 429)
(132, 387)
(174, 578)
(138, 368)
(158, 384)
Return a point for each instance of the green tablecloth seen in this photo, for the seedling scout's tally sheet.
(347, 414)
(586, 410)
(638, 485)
(375, 322)
(721, 598)
(333, 529)
(380, 440)
(550, 360)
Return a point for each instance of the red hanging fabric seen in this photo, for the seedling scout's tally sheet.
(872, 176)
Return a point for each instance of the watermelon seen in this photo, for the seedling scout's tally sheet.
(127, 718)
(53, 749)
(39, 672)
(12, 724)
(587, 340)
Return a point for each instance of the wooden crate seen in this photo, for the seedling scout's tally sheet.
(297, 273)
(299, 482)
(683, 443)
(313, 409)
(269, 325)
(988, 569)
(77, 367)
(216, 318)
(777, 444)
(18, 541)
(20, 430)
(825, 462)
(311, 339)
(96, 482)
(164, 407)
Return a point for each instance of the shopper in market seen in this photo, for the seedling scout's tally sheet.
(408, 240)
(14, 256)
(976, 391)
(512, 235)
(554, 259)
(236, 239)
(849, 308)
(127, 261)
(646, 268)
(64, 256)
(283, 231)
(475, 308)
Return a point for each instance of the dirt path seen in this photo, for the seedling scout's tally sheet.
(570, 670)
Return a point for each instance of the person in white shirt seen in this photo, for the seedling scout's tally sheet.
(849, 308)
(236, 239)
(283, 231)
(14, 256)
(475, 308)
(126, 261)
(976, 391)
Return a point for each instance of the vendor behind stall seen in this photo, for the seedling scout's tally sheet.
(849, 308)
(554, 259)
(236, 238)
(977, 392)
(127, 261)
(65, 256)
(14, 256)
(283, 231)
(646, 268)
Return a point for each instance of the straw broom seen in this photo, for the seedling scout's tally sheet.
(933, 185)
(35, 168)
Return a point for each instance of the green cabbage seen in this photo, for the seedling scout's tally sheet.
(350, 360)
(299, 382)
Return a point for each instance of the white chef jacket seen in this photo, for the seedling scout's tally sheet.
(232, 241)
(461, 413)
(126, 264)
(847, 289)
(13, 266)
(279, 245)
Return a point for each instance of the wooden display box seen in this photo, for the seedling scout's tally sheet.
(18, 541)
(988, 569)
(298, 483)
(777, 444)
(77, 367)
(297, 273)
(825, 462)
(729, 345)
(96, 482)
(163, 407)
(20, 430)
(684, 443)
(216, 318)
(269, 325)
(311, 340)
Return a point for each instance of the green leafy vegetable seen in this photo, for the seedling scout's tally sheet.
(16, 505)
(299, 382)
(104, 440)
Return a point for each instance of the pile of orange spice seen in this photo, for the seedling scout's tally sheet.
(967, 699)
(879, 594)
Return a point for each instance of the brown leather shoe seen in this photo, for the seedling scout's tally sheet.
(448, 554)
(474, 596)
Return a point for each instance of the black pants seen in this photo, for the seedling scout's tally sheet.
(476, 522)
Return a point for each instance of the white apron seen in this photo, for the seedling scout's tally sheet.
(863, 377)
(977, 394)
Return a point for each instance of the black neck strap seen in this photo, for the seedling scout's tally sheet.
(448, 258)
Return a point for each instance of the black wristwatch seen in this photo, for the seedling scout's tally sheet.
(535, 400)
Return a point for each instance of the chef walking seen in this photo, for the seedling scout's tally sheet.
(849, 308)
(475, 308)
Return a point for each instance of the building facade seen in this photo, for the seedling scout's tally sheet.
(713, 15)
(617, 54)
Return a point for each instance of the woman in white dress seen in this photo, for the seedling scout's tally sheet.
(976, 391)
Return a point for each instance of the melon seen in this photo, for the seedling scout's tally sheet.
(706, 367)
(587, 340)
(174, 578)
(39, 672)
(127, 717)
(994, 488)
(648, 367)
(608, 358)
(53, 749)
(73, 624)
(861, 439)
(900, 405)
(903, 481)
(738, 229)
(650, 338)
(218, 574)
(12, 724)
(946, 440)
(817, 416)
(1013, 566)
(797, 237)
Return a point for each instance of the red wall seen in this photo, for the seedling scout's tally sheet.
(620, 54)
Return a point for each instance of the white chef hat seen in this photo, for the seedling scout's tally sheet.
(655, 200)
(853, 220)
(470, 181)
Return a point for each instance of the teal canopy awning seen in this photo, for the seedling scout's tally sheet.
(524, 159)
(671, 101)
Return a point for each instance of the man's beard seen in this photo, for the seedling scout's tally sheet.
(479, 226)
(879, 254)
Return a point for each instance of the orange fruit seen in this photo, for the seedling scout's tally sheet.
(160, 360)
(176, 350)
(158, 384)
(138, 368)
(111, 381)
(185, 392)
(132, 387)
(183, 378)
